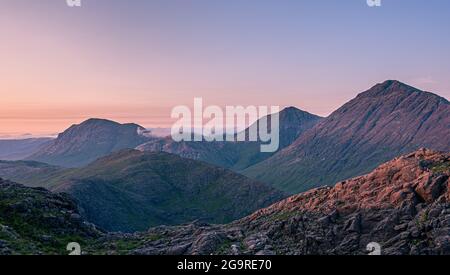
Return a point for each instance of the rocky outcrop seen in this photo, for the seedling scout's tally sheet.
(403, 205)
(36, 221)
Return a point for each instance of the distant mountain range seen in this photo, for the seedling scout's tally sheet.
(237, 155)
(18, 149)
(165, 182)
(132, 190)
(386, 121)
(95, 138)
(90, 140)
(381, 123)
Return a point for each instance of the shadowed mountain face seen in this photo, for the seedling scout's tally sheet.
(384, 122)
(88, 141)
(132, 190)
(237, 155)
(21, 148)
(293, 123)
(403, 206)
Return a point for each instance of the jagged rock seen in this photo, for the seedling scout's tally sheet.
(207, 243)
(430, 188)
(265, 253)
(401, 227)
(178, 249)
(354, 224)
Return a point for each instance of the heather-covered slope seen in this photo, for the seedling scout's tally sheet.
(237, 155)
(30, 173)
(386, 121)
(404, 206)
(90, 140)
(132, 190)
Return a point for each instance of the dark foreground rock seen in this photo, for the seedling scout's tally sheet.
(36, 221)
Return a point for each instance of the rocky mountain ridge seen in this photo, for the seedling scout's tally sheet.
(386, 121)
(237, 155)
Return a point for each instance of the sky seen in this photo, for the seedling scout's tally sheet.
(133, 61)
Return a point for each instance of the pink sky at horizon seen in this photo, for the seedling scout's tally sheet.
(134, 62)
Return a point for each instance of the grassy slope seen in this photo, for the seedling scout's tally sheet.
(131, 190)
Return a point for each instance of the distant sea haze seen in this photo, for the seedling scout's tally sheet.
(36, 128)
(51, 127)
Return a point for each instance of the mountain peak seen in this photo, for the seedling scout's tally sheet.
(397, 85)
(390, 82)
(293, 113)
(106, 122)
(389, 87)
(98, 121)
(291, 109)
(89, 140)
(398, 88)
(388, 120)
